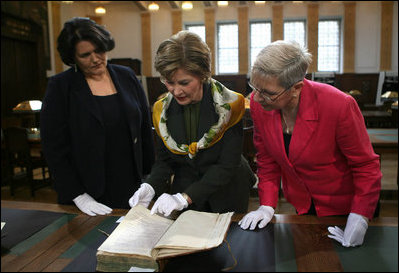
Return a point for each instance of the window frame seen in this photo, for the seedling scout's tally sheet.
(340, 41)
(217, 68)
(259, 21)
(199, 24)
(290, 20)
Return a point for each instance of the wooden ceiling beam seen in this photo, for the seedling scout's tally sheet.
(174, 4)
(141, 5)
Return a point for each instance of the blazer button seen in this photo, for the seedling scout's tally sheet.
(135, 140)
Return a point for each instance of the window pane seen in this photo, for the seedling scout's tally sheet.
(329, 46)
(295, 30)
(227, 48)
(197, 29)
(260, 37)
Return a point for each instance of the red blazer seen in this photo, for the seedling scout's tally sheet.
(331, 160)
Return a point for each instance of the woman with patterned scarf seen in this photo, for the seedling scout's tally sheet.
(200, 136)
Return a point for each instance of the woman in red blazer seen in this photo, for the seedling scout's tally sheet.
(312, 137)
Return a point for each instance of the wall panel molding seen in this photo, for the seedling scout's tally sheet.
(146, 43)
(386, 35)
(177, 21)
(56, 21)
(210, 33)
(243, 48)
(349, 37)
(277, 23)
(313, 36)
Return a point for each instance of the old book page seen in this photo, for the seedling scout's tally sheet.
(194, 230)
(137, 234)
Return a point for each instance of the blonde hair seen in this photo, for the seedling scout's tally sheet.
(286, 60)
(184, 50)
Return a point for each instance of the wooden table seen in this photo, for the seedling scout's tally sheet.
(289, 243)
(382, 137)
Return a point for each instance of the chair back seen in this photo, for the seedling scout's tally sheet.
(16, 143)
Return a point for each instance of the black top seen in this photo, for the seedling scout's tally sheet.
(287, 140)
(120, 174)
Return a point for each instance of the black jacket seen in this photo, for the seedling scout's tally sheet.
(73, 136)
(217, 179)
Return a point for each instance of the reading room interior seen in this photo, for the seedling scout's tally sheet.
(104, 135)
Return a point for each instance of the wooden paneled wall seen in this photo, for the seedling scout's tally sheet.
(349, 37)
(278, 23)
(349, 34)
(243, 39)
(210, 33)
(56, 19)
(386, 35)
(313, 36)
(146, 43)
(177, 22)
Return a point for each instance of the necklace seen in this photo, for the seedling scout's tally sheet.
(287, 131)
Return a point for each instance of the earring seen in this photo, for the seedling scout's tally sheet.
(76, 68)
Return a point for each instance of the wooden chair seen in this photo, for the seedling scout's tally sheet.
(21, 162)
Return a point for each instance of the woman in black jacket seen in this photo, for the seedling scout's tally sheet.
(199, 127)
(95, 123)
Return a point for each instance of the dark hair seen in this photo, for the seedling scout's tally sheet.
(82, 29)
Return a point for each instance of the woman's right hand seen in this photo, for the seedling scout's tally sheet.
(263, 215)
(142, 196)
(91, 207)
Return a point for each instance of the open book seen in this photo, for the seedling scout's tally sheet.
(141, 239)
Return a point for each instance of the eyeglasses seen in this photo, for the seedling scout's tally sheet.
(269, 97)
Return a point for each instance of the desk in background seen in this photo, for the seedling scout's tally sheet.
(376, 118)
(380, 137)
(68, 242)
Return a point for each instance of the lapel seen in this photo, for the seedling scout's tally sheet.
(208, 116)
(306, 122)
(175, 122)
(127, 101)
(81, 88)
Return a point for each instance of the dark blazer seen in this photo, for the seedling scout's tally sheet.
(217, 179)
(73, 134)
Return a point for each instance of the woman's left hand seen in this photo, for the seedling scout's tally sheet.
(356, 227)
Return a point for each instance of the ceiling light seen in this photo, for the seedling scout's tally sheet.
(153, 6)
(223, 3)
(187, 5)
(260, 2)
(100, 10)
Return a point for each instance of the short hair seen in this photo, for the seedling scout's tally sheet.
(286, 60)
(185, 50)
(82, 29)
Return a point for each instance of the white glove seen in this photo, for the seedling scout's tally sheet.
(263, 214)
(167, 203)
(142, 196)
(88, 205)
(356, 227)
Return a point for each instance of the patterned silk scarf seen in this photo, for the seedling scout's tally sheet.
(229, 105)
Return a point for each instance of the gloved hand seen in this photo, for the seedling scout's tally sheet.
(356, 227)
(263, 214)
(167, 203)
(142, 196)
(88, 205)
